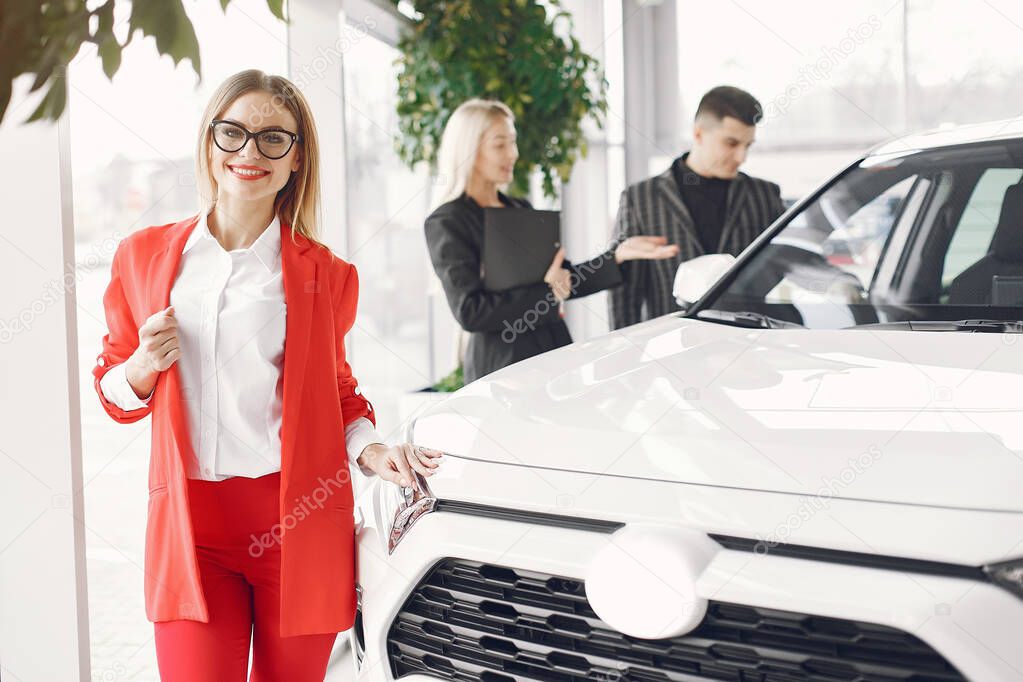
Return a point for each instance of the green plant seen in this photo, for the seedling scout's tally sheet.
(41, 37)
(516, 51)
(452, 382)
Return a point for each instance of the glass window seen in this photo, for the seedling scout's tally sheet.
(962, 71)
(849, 235)
(872, 248)
(387, 205)
(833, 83)
(822, 77)
(972, 237)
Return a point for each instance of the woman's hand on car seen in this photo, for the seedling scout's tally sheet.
(644, 247)
(396, 463)
(558, 277)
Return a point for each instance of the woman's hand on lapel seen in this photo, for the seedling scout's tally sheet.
(395, 463)
(159, 348)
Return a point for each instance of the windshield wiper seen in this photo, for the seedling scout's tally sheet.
(746, 318)
(976, 326)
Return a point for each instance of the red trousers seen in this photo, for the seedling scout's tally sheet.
(242, 591)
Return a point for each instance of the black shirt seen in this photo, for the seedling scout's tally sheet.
(706, 200)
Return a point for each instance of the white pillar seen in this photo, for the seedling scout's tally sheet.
(653, 115)
(44, 625)
(585, 228)
(315, 49)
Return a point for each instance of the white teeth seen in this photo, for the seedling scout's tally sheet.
(241, 171)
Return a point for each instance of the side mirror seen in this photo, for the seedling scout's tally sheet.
(694, 277)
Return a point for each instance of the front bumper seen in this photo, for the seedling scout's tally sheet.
(973, 625)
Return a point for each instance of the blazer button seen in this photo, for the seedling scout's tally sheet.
(101, 361)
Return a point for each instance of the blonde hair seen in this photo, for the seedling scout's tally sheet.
(298, 202)
(461, 141)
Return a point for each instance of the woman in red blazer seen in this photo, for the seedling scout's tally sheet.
(228, 327)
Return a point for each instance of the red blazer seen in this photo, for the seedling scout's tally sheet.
(320, 398)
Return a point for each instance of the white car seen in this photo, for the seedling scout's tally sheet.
(814, 472)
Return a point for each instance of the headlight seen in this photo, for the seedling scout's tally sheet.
(417, 501)
(1008, 574)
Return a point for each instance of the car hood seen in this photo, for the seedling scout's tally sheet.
(928, 418)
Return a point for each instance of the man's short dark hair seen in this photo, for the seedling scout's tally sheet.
(725, 100)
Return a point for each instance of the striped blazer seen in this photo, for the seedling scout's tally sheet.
(654, 207)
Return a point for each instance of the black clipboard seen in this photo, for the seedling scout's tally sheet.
(518, 246)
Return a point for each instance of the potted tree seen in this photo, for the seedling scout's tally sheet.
(41, 38)
(521, 52)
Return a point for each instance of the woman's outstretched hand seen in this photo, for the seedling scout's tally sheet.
(396, 463)
(645, 248)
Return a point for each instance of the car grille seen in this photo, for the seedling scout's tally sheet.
(467, 620)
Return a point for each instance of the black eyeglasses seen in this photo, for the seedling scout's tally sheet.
(272, 143)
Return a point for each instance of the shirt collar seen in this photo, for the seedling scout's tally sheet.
(267, 246)
(680, 168)
(505, 199)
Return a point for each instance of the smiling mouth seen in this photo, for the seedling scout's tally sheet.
(248, 173)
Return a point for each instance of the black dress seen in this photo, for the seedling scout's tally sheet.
(505, 326)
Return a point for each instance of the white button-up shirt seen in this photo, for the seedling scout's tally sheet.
(231, 314)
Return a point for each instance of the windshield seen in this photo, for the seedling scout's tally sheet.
(922, 236)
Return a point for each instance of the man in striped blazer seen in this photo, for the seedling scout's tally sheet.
(703, 203)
